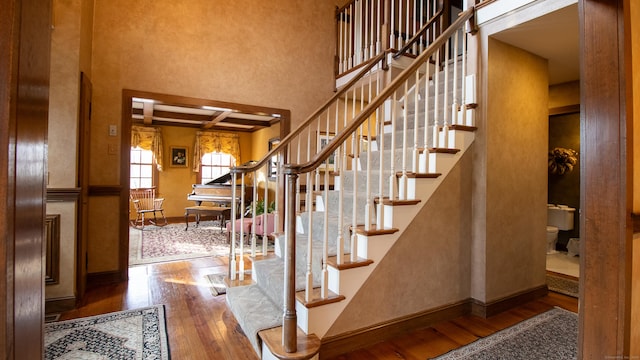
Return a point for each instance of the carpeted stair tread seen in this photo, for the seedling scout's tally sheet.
(254, 311)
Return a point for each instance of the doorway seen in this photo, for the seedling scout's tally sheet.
(179, 119)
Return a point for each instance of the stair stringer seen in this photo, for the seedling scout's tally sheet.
(318, 320)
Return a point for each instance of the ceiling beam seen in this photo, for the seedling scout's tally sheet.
(217, 119)
(147, 109)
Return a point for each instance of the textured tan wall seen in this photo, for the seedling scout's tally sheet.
(564, 94)
(510, 230)
(64, 93)
(67, 50)
(428, 266)
(276, 54)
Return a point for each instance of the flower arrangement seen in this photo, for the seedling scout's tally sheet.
(562, 161)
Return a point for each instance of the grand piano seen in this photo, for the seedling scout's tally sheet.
(219, 191)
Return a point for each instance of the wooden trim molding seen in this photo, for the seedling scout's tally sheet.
(59, 305)
(333, 346)
(52, 248)
(63, 194)
(491, 308)
(105, 190)
(560, 110)
(104, 278)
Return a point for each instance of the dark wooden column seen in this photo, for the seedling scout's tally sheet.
(25, 38)
(605, 286)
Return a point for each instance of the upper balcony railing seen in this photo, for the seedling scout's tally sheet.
(366, 28)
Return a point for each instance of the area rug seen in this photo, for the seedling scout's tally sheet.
(132, 334)
(216, 284)
(171, 243)
(563, 284)
(552, 335)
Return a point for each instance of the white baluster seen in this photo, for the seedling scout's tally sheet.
(254, 196)
(436, 86)
(416, 109)
(402, 186)
(242, 200)
(454, 106)
(424, 159)
(265, 219)
(392, 162)
(445, 107)
(234, 212)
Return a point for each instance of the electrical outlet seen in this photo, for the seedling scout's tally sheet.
(113, 130)
(112, 149)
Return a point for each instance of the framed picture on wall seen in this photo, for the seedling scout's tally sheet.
(179, 156)
(323, 139)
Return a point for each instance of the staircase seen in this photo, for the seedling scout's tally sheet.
(391, 146)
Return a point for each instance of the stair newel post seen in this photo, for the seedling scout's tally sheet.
(234, 214)
(254, 214)
(436, 100)
(242, 234)
(290, 319)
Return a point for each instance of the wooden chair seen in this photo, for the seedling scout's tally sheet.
(144, 201)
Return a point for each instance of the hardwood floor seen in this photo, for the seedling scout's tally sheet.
(201, 326)
(449, 335)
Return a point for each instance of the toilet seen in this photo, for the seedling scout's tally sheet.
(559, 217)
(552, 239)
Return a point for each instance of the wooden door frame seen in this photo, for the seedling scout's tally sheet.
(125, 144)
(606, 186)
(84, 145)
(25, 42)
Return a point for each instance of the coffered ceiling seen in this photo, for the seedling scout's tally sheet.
(230, 117)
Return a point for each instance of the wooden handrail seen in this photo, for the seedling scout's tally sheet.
(260, 163)
(422, 30)
(342, 136)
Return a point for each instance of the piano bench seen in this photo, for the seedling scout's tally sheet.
(223, 212)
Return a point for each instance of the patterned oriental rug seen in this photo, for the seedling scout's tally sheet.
(552, 335)
(171, 243)
(132, 334)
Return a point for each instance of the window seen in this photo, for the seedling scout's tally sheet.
(141, 173)
(214, 165)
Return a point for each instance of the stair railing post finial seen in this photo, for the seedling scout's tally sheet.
(290, 319)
